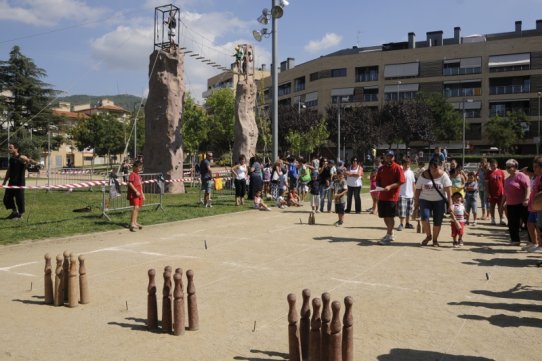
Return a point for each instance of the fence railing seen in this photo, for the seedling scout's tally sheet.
(115, 190)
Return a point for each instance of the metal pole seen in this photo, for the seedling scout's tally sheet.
(48, 157)
(538, 142)
(464, 122)
(275, 81)
(339, 131)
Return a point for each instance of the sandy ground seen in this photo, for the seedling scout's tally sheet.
(481, 302)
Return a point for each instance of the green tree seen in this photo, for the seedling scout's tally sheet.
(101, 132)
(505, 131)
(306, 142)
(221, 115)
(195, 126)
(30, 97)
(447, 122)
(263, 121)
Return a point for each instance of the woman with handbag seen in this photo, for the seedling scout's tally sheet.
(431, 187)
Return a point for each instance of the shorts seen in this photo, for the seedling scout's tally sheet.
(339, 208)
(533, 217)
(470, 205)
(434, 208)
(315, 200)
(404, 207)
(457, 232)
(387, 209)
(137, 202)
(493, 200)
(207, 186)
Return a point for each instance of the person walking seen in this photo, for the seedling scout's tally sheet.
(433, 193)
(389, 178)
(406, 196)
(240, 173)
(517, 189)
(354, 181)
(15, 177)
(495, 187)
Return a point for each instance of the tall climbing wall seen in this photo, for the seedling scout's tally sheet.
(246, 129)
(163, 110)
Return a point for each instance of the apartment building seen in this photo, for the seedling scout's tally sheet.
(484, 75)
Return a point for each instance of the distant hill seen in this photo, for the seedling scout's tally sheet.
(126, 101)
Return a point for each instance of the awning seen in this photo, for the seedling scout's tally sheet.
(401, 70)
(471, 62)
(468, 105)
(342, 92)
(510, 59)
(401, 88)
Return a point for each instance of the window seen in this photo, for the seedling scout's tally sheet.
(515, 85)
(285, 89)
(313, 76)
(397, 71)
(462, 89)
(502, 108)
(368, 73)
(509, 62)
(337, 73)
(299, 84)
(400, 91)
(370, 95)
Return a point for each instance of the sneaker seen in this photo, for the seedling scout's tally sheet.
(467, 223)
(461, 243)
(528, 246)
(493, 223)
(474, 224)
(502, 223)
(317, 211)
(400, 227)
(538, 250)
(533, 248)
(369, 210)
(338, 223)
(409, 226)
(391, 238)
(13, 215)
(455, 244)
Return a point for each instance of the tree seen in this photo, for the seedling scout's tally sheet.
(221, 118)
(307, 141)
(447, 122)
(30, 96)
(505, 131)
(195, 125)
(101, 132)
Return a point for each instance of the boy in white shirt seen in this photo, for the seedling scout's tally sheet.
(406, 196)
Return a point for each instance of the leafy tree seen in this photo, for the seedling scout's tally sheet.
(290, 118)
(101, 132)
(263, 121)
(506, 130)
(195, 125)
(221, 119)
(31, 97)
(306, 142)
(447, 122)
(391, 119)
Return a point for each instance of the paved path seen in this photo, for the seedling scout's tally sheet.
(481, 302)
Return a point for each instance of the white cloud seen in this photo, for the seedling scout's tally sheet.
(329, 40)
(48, 12)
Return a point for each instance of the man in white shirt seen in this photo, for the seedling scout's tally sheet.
(406, 196)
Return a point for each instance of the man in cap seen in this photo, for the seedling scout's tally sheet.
(389, 177)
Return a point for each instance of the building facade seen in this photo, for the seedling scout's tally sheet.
(480, 75)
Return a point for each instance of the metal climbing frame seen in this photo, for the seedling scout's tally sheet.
(166, 22)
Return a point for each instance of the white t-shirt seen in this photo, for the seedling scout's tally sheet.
(354, 181)
(407, 188)
(428, 192)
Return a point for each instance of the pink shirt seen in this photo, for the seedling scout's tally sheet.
(515, 188)
(534, 190)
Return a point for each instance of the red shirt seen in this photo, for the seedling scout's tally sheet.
(135, 180)
(495, 182)
(389, 174)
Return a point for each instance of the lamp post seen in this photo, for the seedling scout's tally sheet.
(464, 129)
(538, 140)
(299, 106)
(398, 85)
(339, 131)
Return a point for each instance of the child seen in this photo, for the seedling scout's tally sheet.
(314, 187)
(340, 189)
(281, 200)
(374, 195)
(458, 219)
(258, 202)
(471, 194)
(267, 180)
(135, 194)
(293, 198)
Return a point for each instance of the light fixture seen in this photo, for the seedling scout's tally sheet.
(284, 3)
(262, 19)
(258, 35)
(277, 12)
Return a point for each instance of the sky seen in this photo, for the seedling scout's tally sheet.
(100, 47)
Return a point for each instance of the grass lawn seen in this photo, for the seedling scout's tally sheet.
(50, 214)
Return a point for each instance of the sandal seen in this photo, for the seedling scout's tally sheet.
(425, 242)
(132, 228)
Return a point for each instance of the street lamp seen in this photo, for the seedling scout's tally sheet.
(538, 140)
(464, 126)
(398, 85)
(300, 105)
(275, 13)
(339, 98)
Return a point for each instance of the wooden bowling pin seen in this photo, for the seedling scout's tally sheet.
(419, 227)
(65, 275)
(178, 305)
(72, 282)
(326, 321)
(49, 297)
(193, 317)
(294, 343)
(152, 305)
(315, 338)
(59, 295)
(305, 323)
(166, 302)
(348, 330)
(84, 296)
(335, 349)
